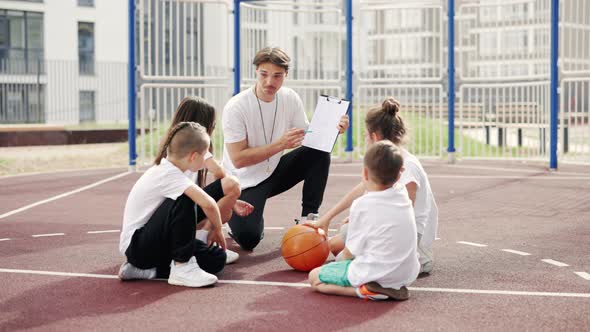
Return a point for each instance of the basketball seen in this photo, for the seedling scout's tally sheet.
(304, 247)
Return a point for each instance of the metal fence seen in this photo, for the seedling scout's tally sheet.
(503, 52)
(400, 49)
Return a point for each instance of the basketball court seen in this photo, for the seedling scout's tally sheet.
(512, 253)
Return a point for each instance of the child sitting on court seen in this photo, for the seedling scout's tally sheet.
(385, 123)
(380, 258)
(159, 225)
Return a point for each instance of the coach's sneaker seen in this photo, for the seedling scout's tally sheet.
(130, 272)
(311, 218)
(190, 275)
(401, 294)
(232, 256)
(366, 294)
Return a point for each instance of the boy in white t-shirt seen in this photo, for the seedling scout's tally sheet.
(380, 258)
(159, 224)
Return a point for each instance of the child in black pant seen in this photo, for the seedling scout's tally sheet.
(159, 224)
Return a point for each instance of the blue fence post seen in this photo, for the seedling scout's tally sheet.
(554, 84)
(131, 88)
(237, 77)
(451, 77)
(349, 137)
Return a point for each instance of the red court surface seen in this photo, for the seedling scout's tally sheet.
(513, 254)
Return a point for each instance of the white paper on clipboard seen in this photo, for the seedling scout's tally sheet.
(323, 129)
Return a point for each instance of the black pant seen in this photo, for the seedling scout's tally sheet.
(215, 190)
(302, 164)
(170, 235)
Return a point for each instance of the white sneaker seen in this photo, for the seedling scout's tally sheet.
(426, 267)
(129, 272)
(310, 218)
(426, 257)
(202, 235)
(190, 275)
(232, 256)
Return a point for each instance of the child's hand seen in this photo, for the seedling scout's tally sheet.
(321, 223)
(242, 208)
(345, 221)
(216, 236)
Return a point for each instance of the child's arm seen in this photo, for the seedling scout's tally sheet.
(412, 187)
(342, 205)
(213, 166)
(345, 254)
(209, 206)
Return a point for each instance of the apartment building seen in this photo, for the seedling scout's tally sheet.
(63, 61)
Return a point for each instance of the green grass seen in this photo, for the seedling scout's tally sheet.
(426, 137)
(96, 126)
(5, 164)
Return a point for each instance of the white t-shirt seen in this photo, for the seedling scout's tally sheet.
(382, 237)
(425, 207)
(153, 187)
(241, 120)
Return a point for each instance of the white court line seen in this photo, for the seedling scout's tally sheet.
(524, 170)
(472, 244)
(107, 231)
(69, 193)
(584, 275)
(69, 170)
(522, 253)
(485, 177)
(306, 285)
(47, 235)
(5, 239)
(552, 262)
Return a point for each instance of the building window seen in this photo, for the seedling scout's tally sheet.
(22, 103)
(86, 3)
(87, 107)
(86, 47)
(21, 42)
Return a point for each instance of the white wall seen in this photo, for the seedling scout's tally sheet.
(110, 29)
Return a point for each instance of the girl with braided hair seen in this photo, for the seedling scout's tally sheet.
(158, 235)
(225, 188)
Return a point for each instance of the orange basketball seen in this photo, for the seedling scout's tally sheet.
(305, 247)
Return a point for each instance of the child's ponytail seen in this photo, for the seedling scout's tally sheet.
(386, 121)
(390, 106)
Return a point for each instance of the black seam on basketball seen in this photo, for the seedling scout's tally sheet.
(297, 234)
(303, 252)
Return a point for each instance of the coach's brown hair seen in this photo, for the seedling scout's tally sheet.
(275, 55)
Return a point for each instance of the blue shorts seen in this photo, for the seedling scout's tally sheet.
(336, 273)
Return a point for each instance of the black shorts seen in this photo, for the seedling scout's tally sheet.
(214, 190)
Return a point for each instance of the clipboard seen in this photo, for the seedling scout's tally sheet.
(323, 128)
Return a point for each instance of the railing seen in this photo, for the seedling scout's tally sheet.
(158, 102)
(503, 120)
(58, 93)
